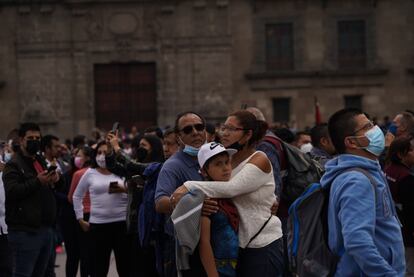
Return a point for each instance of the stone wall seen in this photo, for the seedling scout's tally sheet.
(209, 57)
(386, 85)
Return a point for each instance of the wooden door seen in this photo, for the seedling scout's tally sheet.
(125, 93)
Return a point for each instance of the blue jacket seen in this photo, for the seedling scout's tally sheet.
(363, 227)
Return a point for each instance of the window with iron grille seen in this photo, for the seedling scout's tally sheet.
(279, 47)
(281, 110)
(352, 52)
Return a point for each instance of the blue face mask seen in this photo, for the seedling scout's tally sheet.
(190, 150)
(376, 141)
(393, 129)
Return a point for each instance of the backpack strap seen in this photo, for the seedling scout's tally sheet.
(367, 174)
(260, 230)
(278, 144)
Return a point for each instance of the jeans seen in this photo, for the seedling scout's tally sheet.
(31, 251)
(5, 257)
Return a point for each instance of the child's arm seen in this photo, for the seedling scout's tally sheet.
(206, 252)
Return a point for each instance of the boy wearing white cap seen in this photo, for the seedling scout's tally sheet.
(219, 241)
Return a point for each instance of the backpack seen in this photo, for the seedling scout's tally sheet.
(297, 168)
(309, 253)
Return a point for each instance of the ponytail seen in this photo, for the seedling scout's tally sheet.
(249, 122)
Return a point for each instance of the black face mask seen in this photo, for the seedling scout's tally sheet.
(32, 146)
(141, 154)
(236, 146)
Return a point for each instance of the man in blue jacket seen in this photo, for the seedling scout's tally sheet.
(363, 227)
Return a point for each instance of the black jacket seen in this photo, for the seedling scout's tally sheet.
(121, 165)
(29, 204)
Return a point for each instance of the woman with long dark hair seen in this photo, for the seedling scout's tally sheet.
(107, 221)
(150, 150)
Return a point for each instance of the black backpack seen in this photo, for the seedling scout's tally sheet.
(309, 253)
(297, 168)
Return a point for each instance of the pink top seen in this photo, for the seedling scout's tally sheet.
(75, 181)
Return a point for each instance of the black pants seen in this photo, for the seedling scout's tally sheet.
(5, 257)
(264, 262)
(77, 245)
(50, 270)
(84, 239)
(105, 238)
(143, 259)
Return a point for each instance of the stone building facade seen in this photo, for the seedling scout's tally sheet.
(71, 65)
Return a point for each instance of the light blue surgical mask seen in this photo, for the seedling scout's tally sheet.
(7, 156)
(190, 150)
(376, 141)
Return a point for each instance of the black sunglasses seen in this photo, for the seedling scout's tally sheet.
(189, 129)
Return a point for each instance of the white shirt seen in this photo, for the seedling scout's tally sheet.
(3, 226)
(252, 192)
(105, 207)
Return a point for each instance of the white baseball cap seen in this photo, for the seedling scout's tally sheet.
(210, 150)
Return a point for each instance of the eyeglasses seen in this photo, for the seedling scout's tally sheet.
(189, 128)
(231, 128)
(367, 126)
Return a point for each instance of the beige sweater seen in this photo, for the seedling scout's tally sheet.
(252, 192)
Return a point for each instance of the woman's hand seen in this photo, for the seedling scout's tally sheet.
(274, 207)
(389, 138)
(210, 206)
(117, 189)
(177, 195)
(84, 225)
(112, 142)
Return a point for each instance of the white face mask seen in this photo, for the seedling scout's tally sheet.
(128, 151)
(306, 148)
(100, 160)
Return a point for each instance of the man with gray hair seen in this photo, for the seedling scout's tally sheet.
(404, 124)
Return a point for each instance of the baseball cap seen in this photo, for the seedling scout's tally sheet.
(210, 150)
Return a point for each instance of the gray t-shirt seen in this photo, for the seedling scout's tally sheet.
(175, 172)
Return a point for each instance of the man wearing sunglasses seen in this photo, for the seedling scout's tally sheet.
(363, 227)
(179, 168)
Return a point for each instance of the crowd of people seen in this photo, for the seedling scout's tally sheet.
(200, 199)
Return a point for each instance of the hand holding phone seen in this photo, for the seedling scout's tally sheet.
(51, 169)
(115, 127)
(114, 187)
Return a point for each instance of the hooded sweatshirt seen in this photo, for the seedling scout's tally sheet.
(363, 226)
